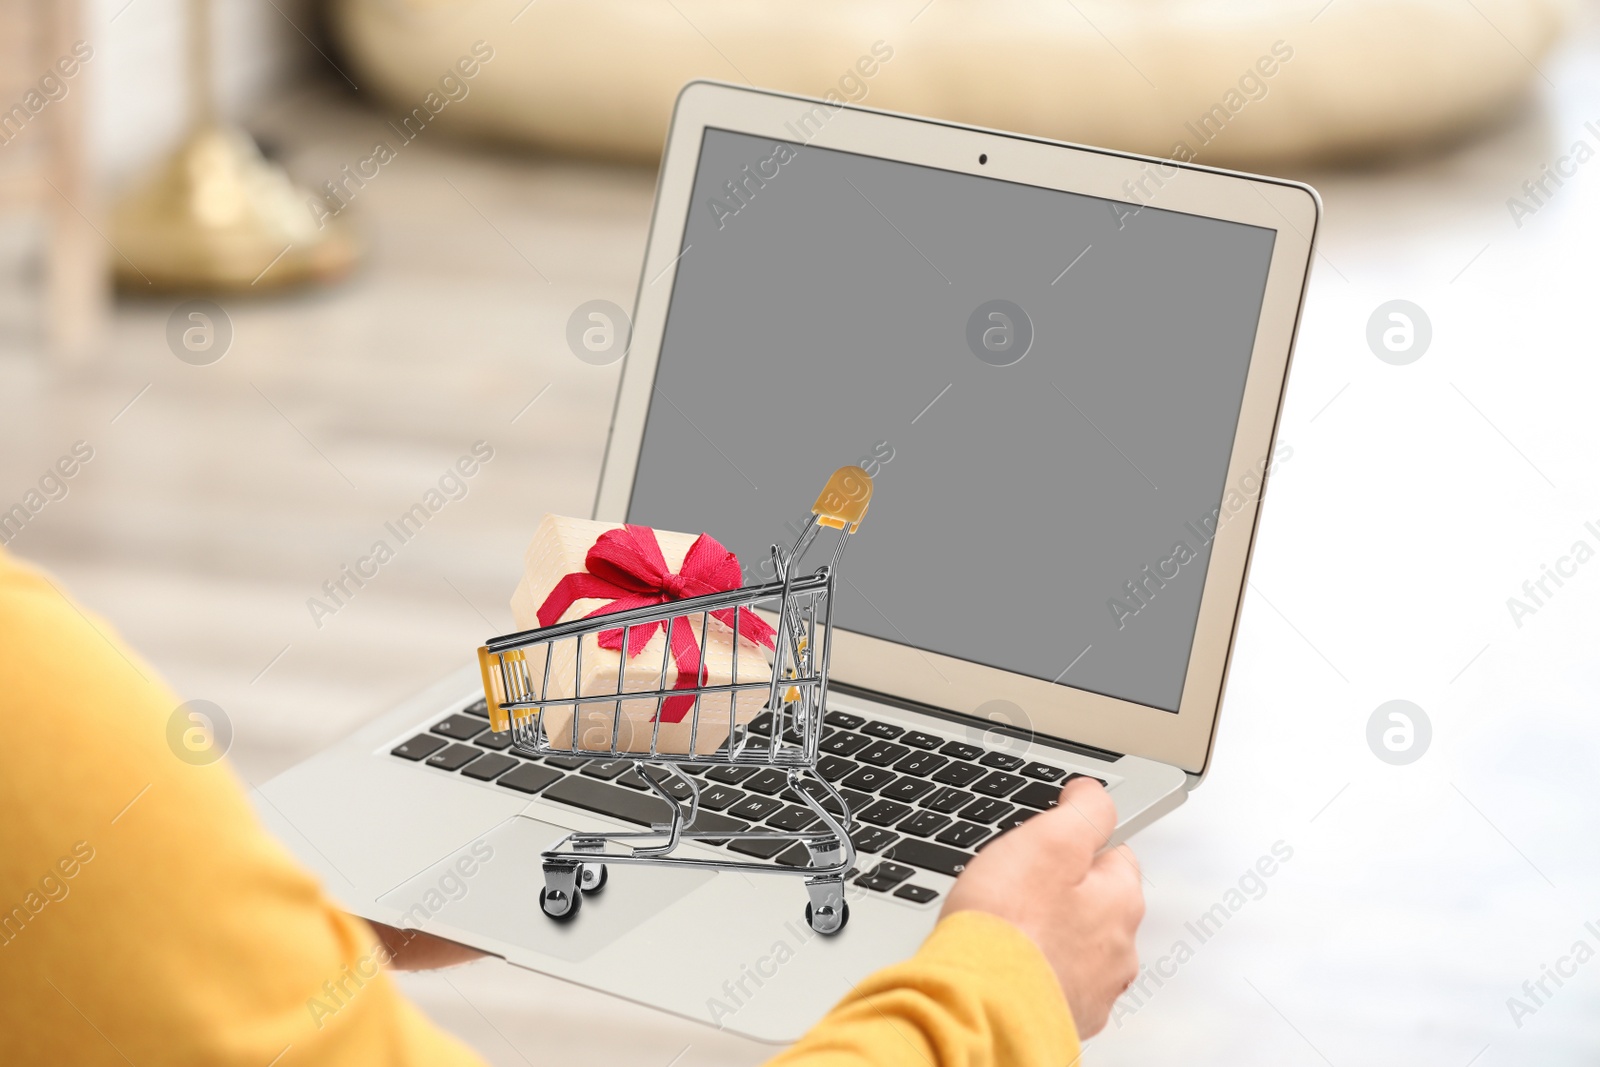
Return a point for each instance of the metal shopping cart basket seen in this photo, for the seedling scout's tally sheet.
(785, 736)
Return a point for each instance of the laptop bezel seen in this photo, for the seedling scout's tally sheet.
(1182, 738)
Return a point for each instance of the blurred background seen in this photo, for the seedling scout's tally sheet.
(271, 266)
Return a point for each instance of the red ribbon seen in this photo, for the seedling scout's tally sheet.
(627, 567)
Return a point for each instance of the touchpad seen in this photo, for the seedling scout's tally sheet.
(490, 886)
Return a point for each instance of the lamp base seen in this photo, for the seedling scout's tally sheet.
(219, 217)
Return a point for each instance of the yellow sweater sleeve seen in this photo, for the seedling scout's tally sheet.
(145, 915)
(977, 994)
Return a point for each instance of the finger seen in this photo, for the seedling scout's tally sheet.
(1096, 814)
(1071, 832)
(1118, 871)
(1120, 864)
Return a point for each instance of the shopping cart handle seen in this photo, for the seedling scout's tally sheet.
(843, 501)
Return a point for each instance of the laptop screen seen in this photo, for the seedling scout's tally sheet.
(1044, 386)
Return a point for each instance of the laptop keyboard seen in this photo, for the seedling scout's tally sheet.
(922, 801)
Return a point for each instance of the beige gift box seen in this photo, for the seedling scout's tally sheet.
(559, 548)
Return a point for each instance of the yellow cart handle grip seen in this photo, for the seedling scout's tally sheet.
(843, 501)
(493, 693)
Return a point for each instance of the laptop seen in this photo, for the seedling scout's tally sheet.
(1062, 366)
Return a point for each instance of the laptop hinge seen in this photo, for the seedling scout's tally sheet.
(972, 720)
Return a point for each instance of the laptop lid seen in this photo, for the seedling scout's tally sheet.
(1062, 365)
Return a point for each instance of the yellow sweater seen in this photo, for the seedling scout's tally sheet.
(146, 916)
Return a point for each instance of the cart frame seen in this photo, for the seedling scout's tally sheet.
(518, 691)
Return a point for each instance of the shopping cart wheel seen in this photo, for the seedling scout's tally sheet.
(592, 877)
(559, 905)
(828, 922)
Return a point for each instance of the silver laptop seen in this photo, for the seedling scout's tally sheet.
(1062, 367)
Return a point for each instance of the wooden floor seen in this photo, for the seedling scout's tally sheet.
(1418, 499)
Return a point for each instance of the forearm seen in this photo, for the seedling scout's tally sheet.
(977, 992)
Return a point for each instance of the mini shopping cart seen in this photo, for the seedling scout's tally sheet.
(517, 685)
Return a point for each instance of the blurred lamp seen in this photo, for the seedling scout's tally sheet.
(216, 215)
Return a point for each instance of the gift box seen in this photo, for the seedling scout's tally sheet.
(574, 569)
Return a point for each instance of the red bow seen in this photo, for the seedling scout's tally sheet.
(627, 566)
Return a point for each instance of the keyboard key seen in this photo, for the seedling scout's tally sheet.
(918, 739)
(761, 725)
(675, 787)
(730, 775)
(606, 769)
(480, 708)
(923, 824)
(755, 808)
(845, 744)
(418, 747)
(882, 753)
(885, 813)
(455, 757)
(1043, 771)
(1015, 819)
(857, 801)
(814, 788)
(488, 767)
(930, 857)
(947, 800)
(917, 894)
(958, 750)
(985, 809)
(868, 779)
(1039, 795)
(529, 778)
(718, 797)
(895, 873)
(495, 740)
(843, 719)
(998, 784)
(792, 817)
(642, 809)
(957, 774)
(906, 789)
(694, 768)
(760, 849)
(874, 728)
(873, 882)
(461, 727)
(771, 782)
(1003, 760)
(568, 763)
(872, 839)
(834, 768)
(964, 835)
(633, 780)
(796, 855)
(1070, 777)
(921, 764)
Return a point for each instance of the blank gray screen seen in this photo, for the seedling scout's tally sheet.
(820, 316)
